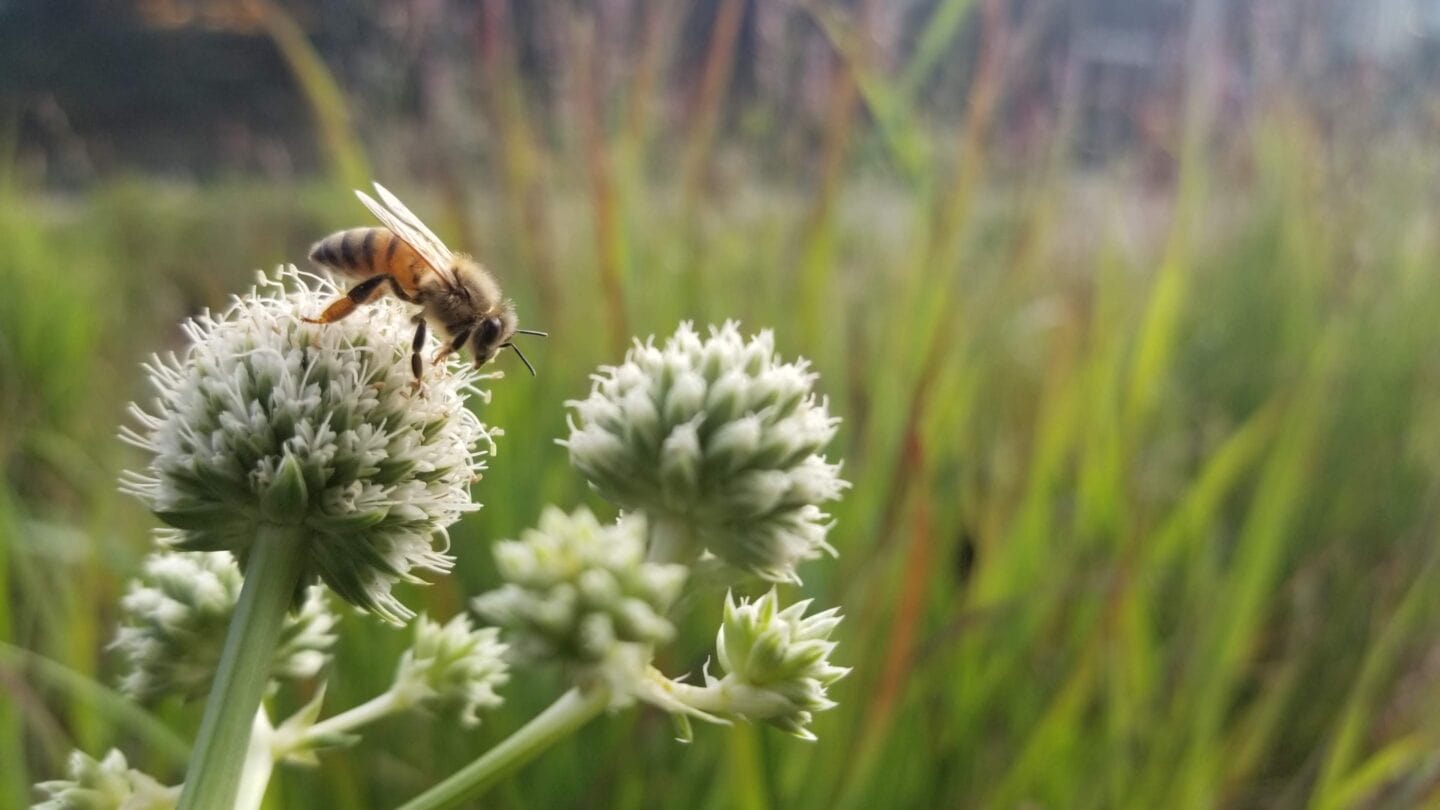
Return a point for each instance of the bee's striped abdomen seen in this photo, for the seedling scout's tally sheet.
(359, 252)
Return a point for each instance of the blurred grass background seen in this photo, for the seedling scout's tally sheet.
(1130, 309)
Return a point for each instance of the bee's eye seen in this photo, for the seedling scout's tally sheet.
(489, 331)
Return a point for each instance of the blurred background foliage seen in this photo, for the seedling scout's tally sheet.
(1129, 307)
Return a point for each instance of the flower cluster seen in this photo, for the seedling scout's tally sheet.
(110, 784)
(453, 664)
(274, 428)
(776, 662)
(720, 441)
(174, 619)
(266, 418)
(575, 588)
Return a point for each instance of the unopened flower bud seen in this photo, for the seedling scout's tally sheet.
(110, 784)
(575, 589)
(453, 664)
(776, 663)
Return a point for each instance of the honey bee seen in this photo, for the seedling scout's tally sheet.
(458, 297)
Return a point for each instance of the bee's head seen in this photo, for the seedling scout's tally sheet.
(494, 332)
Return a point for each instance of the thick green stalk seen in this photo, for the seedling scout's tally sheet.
(271, 575)
(574, 709)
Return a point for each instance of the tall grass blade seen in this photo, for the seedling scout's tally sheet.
(346, 156)
(98, 698)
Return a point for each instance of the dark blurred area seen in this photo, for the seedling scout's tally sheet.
(198, 88)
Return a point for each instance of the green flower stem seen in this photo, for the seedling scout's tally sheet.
(382, 705)
(670, 541)
(271, 576)
(259, 764)
(725, 697)
(574, 709)
(746, 768)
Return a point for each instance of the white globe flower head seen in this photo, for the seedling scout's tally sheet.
(110, 784)
(453, 664)
(577, 590)
(173, 623)
(720, 442)
(268, 419)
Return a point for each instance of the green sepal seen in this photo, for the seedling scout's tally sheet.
(286, 499)
(197, 518)
(684, 731)
(345, 524)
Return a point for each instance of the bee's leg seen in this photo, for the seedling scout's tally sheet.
(416, 366)
(454, 345)
(362, 293)
(416, 345)
(399, 292)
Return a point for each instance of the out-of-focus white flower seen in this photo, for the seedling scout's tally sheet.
(266, 418)
(174, 618)
(776, 664)
(110, 784)
(453, 664)
(575, 589)
(719, 441)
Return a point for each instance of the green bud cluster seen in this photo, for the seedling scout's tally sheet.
(174, 618)
(575, 588)
(454, 665)
(776, 662)
(110, 784)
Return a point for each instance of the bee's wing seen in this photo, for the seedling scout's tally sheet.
(404, 224)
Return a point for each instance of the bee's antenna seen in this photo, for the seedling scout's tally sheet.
(522, 358)
(535, 332)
